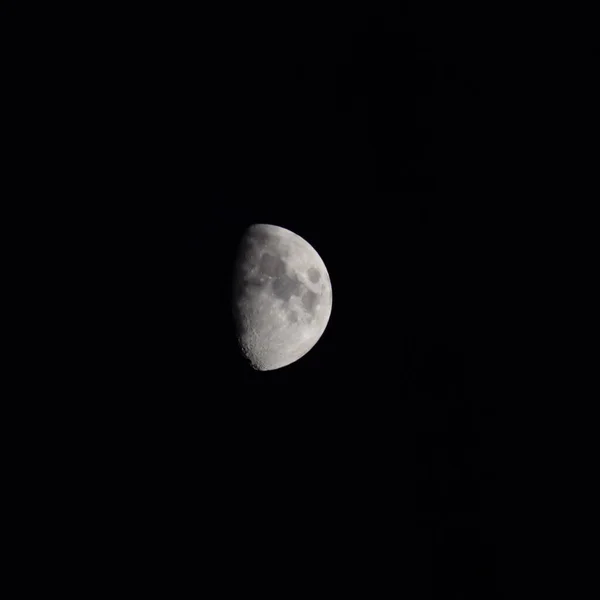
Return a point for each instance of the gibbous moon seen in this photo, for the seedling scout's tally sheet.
(281, 296)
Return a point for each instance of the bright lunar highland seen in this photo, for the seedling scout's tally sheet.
(281, 296)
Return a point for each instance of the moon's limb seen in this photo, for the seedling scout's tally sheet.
(282, 296)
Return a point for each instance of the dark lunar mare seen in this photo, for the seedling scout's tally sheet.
(309, 300)
(314, 274)
(285, 287)
(260, 237)
(272, 265)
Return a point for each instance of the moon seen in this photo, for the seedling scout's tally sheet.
(282, 296)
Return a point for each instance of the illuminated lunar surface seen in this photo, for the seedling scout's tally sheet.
(282, 296)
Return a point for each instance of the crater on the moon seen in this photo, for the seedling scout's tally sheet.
(314, 274)
(293, 316)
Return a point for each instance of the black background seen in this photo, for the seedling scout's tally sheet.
(367, 463)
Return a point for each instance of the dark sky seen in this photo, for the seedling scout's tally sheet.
(368, 135)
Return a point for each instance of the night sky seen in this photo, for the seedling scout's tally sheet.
(366, 463)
